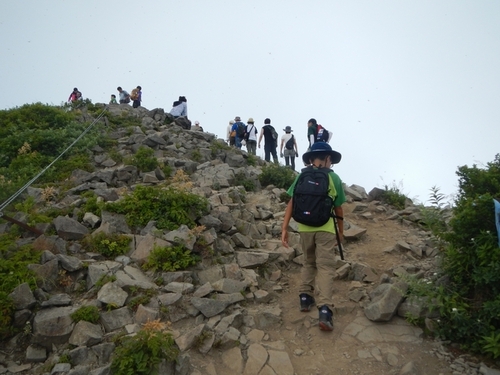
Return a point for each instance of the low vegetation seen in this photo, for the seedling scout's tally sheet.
(109, 245)
(143, 352)
(169, 259)
(277, 175)
(169, 206)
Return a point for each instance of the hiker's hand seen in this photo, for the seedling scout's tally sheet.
(296, 154)
(259, 145)
(281, 155)
(284, 238)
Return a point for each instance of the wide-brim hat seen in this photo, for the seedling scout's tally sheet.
(250, 120)
(288, 129)
(237, 118)
(321, 148)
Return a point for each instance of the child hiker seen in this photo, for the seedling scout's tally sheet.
(317, 194)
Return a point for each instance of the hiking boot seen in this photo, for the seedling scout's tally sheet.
(325, 319)
(306, 302)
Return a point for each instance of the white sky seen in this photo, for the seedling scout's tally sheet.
(411, 89)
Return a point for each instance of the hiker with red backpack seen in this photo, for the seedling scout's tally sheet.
(74, 96)
(316, 205)
(317, 133)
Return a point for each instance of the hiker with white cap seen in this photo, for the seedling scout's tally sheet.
(251, 137)
(291, 150)
(197, 126)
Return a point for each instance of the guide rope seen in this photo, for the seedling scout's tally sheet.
(30, 182)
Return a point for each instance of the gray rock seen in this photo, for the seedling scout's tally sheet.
(209, 307)
(241, 240)
(409, 369)
(183, 288)
(36, 353)
(47, 274)
(210, 275)
(145, 314)
(56, 300)
(385, 300)
(354, 233)
(115, 319)
(60, 369)
(86, 334)
(210, 221)
(103, 352)
(22, 297)
(69, 229)
(187, 340)
(53, 326)
(203, 290)
(145, 245)
(70, 263)
(183, 235)
(229, 286)
(82, 356)
(91, 219)
(98, 270)
(116, 222)
(249, 259)
(169, 299)
(112, 294)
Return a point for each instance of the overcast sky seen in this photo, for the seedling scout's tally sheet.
(410, 89)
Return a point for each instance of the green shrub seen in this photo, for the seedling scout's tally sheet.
(170, 207)
(252, 160)
(246, 182)
(469, 303)
(433, 217)
(144, 159)
(92, 204)
(394, 196)
(140, 296)
(109, 245)
(277, 175)
(13, 272)
(170, 258)
(86, 313)
(142, 353)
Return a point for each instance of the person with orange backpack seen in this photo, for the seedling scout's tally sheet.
(136, 96)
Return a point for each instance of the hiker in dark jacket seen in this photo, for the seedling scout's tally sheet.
(270, 141)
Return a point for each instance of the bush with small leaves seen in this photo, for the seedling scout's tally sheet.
(168, 259)
(142, 353)
(86, 313)
(109, 245)
(277, 175)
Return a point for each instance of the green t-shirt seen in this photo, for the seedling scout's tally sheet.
(338, 200)
(311, 130)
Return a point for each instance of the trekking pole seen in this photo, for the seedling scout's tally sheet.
(338, 235)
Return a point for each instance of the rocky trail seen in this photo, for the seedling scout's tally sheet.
(236, 311)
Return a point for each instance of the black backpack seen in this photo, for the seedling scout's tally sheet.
(311, 203)
(241, 130)
(289, 143)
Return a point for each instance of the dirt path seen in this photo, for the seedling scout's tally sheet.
(357, 345)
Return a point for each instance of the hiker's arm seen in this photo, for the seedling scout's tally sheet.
(311, 140)
(296, 147)
(281, 146)
(260, 137)
(339, 213)
(286, 221)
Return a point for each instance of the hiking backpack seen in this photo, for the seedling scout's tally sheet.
(134, 94)
(322, 135)
(240, 131)
(312, 204)
(289, 143)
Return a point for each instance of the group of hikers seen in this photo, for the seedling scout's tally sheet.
(240, 134)
(316, 197)
(179, 107)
